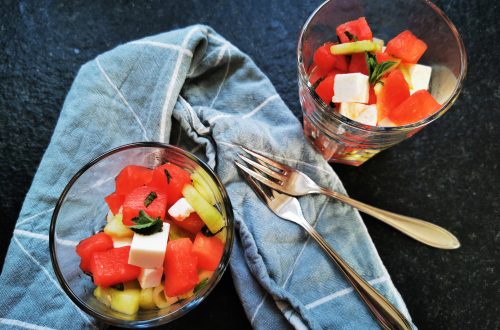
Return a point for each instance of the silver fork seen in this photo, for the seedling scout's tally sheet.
(295, 183)
(288, 208)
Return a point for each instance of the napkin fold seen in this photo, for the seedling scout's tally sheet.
(191, 87)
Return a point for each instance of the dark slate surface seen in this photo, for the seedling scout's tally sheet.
(448, 173)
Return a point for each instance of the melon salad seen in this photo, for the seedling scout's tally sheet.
(162, 241)
(366, 82)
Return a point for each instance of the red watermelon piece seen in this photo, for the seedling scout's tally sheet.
(134, 202)
(180, 266)
(170, 179)
(208, 250)
(111, 267)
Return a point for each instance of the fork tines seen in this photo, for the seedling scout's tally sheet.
(263, 164)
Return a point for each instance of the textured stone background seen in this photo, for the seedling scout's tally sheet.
(448, 173)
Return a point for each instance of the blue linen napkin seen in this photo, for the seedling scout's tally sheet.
(181, 87)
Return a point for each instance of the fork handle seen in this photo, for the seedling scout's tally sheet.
(420, 230)
(386, 314)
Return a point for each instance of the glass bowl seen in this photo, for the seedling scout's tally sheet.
(81, 212)
(342, 140)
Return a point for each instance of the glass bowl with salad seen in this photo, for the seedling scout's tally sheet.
(373, 73)
(141, 234)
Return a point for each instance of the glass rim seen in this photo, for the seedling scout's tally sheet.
(163, 319)
(325, 109)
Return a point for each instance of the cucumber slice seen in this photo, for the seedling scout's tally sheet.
(116, 228)
(354, 47)
(103, 295)
(126, 301)
(200, 184)
(208, 213)
(160, 299)
(379, 42)
(146, 299)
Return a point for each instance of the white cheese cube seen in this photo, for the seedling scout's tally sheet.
(180, 210)
(148, 251)
(420, 77)
(362, 113)
(150, 277)
(121, 241)
(351, 87)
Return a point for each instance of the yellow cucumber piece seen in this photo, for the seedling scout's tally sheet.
(146, 299)
(405, 70)
(103, 295)
(208, 213)
(160, 299)
(379, 42)
(354, 47)
(126, 301)
(200, 184)
(116, 228)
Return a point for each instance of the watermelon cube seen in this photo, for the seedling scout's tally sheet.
(407, 47)
(87, 247)
(192, 223)
(111, 267)
(114, 201)
(326, 61)
(131, 177)
(180, 266)
(418, 106)
(170, 179)
(358, 64)
(135, 202)
(394, 91)
(359, 28)
(208, 250)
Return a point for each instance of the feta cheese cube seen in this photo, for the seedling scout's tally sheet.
(148, 251)
(180, 210)
(150, 277)
(362, 113)
(351, 87)
(420, 77)
(121, 241)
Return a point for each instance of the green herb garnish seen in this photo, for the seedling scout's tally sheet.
(377, 70)
(201, 285)
(151, 197)
(146, 225)
(169, 177)
(350, 36)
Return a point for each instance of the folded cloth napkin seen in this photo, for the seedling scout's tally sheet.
(192, 88)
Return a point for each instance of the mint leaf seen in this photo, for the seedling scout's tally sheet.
(169, 177)
(146, 225)
(377, 70)
(151, 197)
(201, 285)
